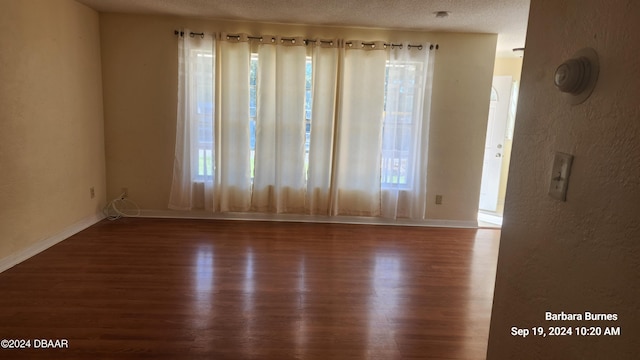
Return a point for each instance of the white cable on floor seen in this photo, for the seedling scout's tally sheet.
(118, 208)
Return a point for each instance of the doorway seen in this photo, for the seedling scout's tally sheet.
(497, 149)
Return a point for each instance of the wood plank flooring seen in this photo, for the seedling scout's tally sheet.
(204, 289)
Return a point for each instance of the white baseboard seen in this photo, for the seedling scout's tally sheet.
(175, 214)
(24, 254)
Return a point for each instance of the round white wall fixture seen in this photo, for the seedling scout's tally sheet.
(577, 76)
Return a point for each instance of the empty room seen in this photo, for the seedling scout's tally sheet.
(202, 179)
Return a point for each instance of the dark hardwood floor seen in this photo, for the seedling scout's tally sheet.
(204, 289)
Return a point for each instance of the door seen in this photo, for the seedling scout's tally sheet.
(494, 143)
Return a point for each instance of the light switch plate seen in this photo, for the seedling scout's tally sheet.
(560, 176)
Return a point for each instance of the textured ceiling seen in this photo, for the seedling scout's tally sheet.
(507, 18)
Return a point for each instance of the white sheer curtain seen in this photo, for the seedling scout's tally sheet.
(192, 181)
(406, 131)
(325, 82)
(232, 153)
(359, 130)
(279, 178)
(368, 137)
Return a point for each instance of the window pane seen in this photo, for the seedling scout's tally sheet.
(308, 103)
(253, 101)
(203, 81)
(401, 87)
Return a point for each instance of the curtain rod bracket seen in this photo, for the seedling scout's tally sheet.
(191, 34)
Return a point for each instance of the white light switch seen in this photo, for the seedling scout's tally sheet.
(560, 176)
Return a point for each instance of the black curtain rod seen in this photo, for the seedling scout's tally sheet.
(419, 47)
(306, 41)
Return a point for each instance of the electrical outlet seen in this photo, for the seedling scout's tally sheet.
(560, 176)
(92, 192)
(438, 199)
(125, 192)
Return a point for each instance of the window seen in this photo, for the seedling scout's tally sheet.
(402, 85)
(204, 111)
(307, 112)
(253, 107)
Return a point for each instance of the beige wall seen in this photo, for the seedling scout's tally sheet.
(462, 89)
(582, 254)
(506, 67)
(51, 123)
(139, 55)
